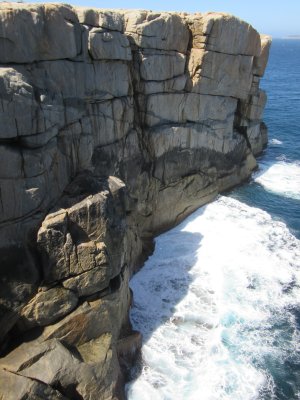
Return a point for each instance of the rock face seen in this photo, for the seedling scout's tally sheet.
(113, 127)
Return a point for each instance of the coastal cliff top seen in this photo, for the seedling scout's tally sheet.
(50, 31)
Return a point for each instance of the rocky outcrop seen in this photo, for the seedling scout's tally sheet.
(114, 125)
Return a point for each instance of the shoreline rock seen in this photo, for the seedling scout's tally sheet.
(114, 126)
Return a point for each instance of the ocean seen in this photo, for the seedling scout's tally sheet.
(218, 302)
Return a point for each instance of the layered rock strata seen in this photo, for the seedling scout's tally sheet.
(114, 125)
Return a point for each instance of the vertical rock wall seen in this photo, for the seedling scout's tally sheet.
(114, 125)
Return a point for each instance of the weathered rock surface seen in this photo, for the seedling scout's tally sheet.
(50, 364)
(114, 125)
(48, 306)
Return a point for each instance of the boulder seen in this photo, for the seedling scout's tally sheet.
(17, 387)
(76, 240)
(51, 364)
(47, 306)
(95, 317)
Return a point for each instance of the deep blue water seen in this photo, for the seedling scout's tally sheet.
(282, 116)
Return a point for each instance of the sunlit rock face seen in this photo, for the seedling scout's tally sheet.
(114, 125)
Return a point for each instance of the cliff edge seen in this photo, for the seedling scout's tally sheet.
(114, 126)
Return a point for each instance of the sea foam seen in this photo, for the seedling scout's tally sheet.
(275, 142)
(281, 177)
(213, 303)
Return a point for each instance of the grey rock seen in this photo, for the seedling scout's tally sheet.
(173, 85)
(253, 108)
(114, 126)
(220, 74)
(230, 35)
(258, 137)
(108, 19)
(34, 32)
(260, 62)
(82, 237)
(160, 66)
(191, 107)
(164, 31)
(106, 45)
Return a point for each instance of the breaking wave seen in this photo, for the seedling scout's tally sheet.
(281, 177)
(216, 304)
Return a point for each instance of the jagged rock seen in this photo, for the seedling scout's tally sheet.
(19, 279)
(78, 243)
(114, 125)
(257, 136)
(54, 366)
(17, 387)
(89, 282)
(48, 306)
(95, 317)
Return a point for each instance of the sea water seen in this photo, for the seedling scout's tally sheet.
(218, 302)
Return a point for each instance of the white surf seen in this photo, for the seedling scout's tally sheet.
(210, 302)
(282, 178)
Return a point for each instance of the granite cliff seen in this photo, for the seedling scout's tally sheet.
(114, 125)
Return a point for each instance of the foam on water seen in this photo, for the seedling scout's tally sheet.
(275, 142)
(281, 177)
(215, 303)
